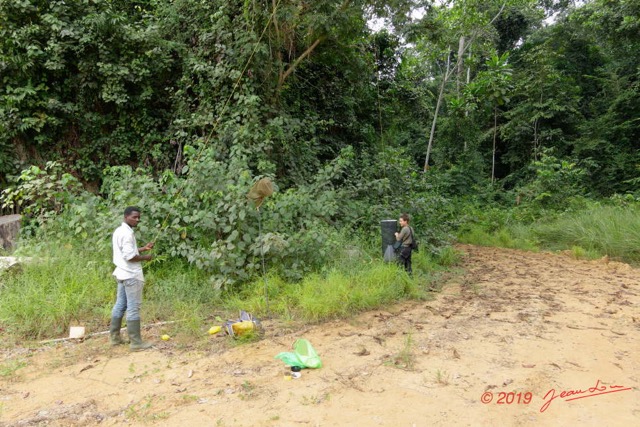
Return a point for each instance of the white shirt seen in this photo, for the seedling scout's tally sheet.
(125, 247)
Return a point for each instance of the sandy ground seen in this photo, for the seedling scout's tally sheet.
(521, 339)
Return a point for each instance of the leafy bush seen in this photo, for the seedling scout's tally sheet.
(85, 83)
(40, 194)
(55, 207)
(202, 216)
(375, 195)
(555, 182)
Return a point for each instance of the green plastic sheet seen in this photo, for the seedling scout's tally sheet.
(303, 355)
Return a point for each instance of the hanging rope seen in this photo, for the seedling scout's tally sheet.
(264, 269)
(260, 191)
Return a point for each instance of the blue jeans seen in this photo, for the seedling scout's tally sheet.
(128, 299)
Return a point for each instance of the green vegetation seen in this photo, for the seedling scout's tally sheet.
(51, 293)
(592, 232)
(9, 369)
(406, 358)
(146, 410)
(442, 377)
(47, 296)
(607, 230)
(334, 294)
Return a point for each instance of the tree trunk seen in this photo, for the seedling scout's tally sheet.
(466, 110)
(461, 49)
(435, 114)
(298, 60)
(276, 28)
(495, 132)
(535, 139)
(536, 142)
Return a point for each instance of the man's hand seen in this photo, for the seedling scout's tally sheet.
(147, 247)
(139, 258)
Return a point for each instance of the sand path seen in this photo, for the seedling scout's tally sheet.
(547, 339)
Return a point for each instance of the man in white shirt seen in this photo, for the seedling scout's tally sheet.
(128, 273)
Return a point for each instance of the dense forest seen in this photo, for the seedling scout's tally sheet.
(482, 87)
(356, 109)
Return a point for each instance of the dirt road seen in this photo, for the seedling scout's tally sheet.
(521, 339)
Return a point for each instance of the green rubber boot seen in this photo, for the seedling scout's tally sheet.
(136, 343)
(114, 331)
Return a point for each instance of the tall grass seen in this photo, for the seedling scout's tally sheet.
(339, 294)
(336, 293)
(596, 230)
(175, 290)
(49, 293)
(608, 230)
(66, 286)
(63, 286)
(514, 236)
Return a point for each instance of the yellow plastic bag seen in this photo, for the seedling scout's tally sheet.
(241, 328)
(245, 324)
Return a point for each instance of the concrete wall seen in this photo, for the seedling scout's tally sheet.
(9, 231)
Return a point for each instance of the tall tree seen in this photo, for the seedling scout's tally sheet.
(544, 110)
(467, 20)
(492, 87)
